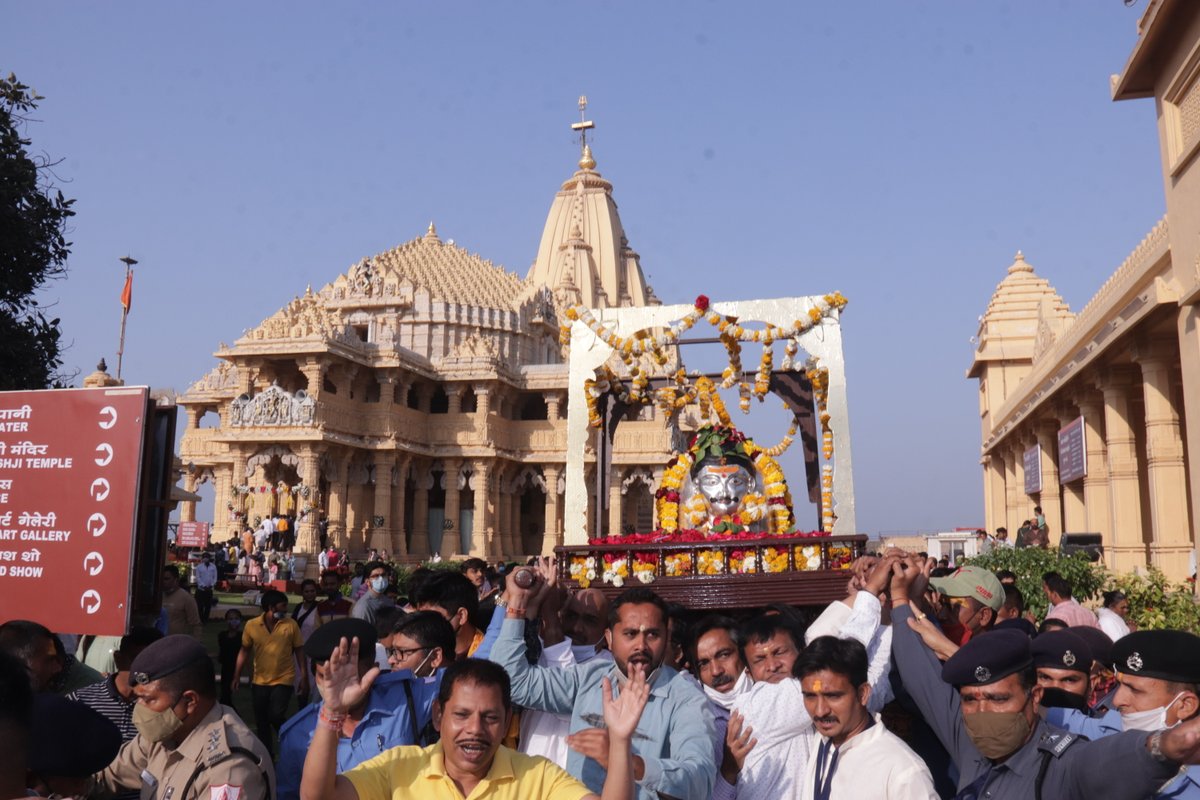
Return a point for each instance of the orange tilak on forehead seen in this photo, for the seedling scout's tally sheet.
(816, 685)
(723, 470)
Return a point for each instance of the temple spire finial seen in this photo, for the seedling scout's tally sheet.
(431, 233)
(583, 126)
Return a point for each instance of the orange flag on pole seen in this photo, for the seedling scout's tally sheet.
(127, 292)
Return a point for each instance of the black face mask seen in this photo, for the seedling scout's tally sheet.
(1061, 698)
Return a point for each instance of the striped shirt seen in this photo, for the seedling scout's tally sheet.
(104, 698)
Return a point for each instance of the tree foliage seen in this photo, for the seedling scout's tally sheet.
(33, 248)
(1031, 563)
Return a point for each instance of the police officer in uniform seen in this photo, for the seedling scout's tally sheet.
(1158, 675)
(188, 747)
(983, 705)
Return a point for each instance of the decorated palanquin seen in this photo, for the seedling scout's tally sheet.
(726, 534)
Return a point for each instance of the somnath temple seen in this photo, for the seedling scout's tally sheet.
(417, 402)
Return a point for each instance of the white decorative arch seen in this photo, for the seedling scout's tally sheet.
(264, 456)
(588, 352)
(638, 474)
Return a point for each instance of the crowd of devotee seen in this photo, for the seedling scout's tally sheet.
(475, 680)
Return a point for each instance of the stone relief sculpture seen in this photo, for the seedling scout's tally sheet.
(220, 378)
(273, 407)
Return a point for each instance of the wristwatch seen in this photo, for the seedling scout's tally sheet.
(1155, 743)
(501, 602)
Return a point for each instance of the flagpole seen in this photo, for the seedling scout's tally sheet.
(129, 262)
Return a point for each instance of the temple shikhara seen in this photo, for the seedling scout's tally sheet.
(417, 402)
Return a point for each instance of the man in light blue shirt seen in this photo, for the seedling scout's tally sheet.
(398, 709)
(673, 745)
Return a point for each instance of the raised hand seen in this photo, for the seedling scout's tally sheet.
(341, 686)
(621, 715)
(931, 634)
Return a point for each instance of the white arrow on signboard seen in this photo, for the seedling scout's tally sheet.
(93, 563)
(90, 602)
(100, 489)
(111, 413)
(97, 524)
(106, 449)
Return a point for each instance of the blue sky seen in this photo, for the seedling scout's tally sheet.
(900, 152)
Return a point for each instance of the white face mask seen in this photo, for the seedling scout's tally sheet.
(583, 653)
(725, 700)
(1153, 719)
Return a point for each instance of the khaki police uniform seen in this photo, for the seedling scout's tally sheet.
(220, 760)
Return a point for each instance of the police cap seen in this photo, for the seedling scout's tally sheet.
(1017, 624)
(70, 739)
(1098, 641)
(1062, 650)
(1166, 655)
(169, 654)
(324, 639)
(988, 658)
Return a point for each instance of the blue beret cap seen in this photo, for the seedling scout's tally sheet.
(70, 739)
(1166, 655)
(1062, 650)
(169, 654)
(321, 642)
(987, 658)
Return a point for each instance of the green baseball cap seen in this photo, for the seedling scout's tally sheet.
(975, 582)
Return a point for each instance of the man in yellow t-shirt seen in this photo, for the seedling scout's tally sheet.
(471, 713)
(274, 642)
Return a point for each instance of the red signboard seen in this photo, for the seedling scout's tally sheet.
(69, 466)
(192, 534)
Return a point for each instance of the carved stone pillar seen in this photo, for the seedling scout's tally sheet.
(552, 405)
(1074, 510)
(1171, 541)
(314, 373)
(483, 542)
(1095, 484)
(552, 537)
(1012, 490)
(307, 538)
(402, 389)
(246, 371)
(996, 486)
(482, 403)
(381, 534)
(224, 525)
(454, 399)
(399, 502)
(187, 509)
(614, 501)
(1050, 498)
(387, 387)
(193, 417)
(339, 495)
(424, 397)
(450, 479)
(1128, 548)
(422, 483)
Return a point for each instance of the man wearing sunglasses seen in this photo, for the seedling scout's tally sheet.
(396, 711)
(972, 596)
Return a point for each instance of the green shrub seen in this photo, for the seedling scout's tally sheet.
(1031, 563)
(1155, 603)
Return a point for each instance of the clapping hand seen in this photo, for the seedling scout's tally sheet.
(341, 687)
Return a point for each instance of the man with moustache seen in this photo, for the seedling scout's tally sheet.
(473, 711)
(854, 757)
(769, 728)
(672, 747)
(983, 705)
(716, 661)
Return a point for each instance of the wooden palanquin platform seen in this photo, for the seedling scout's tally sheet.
(717, 574)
